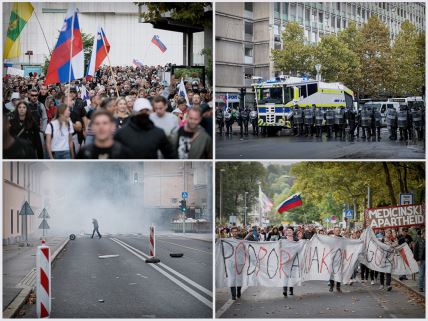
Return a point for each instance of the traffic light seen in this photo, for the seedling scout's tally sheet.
(183, 206)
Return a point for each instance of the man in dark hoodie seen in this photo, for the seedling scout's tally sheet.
(142, 137)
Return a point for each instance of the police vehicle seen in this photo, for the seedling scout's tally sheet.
(275, 98)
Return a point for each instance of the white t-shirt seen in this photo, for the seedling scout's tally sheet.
(60, 135)
(168, 122)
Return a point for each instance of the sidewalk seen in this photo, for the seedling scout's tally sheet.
(207, 237)
(19, 271)
(412, 285)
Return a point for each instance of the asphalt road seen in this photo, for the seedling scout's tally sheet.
(312, 300)
(126, 285)
(290, 147)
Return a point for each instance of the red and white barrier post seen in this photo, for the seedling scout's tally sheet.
(152, 241)
(43, 285)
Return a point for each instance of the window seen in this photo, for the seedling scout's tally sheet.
(17, 221)
(307, 15)
(312, 89)
(17, 173)
(303, 92)
(248, 6)
(338, 6)
(11, 221)
(11, 172)
(277, 7)
(285, 8)
(320, 17)
(248, 28)
(248, 51)
(338, 23)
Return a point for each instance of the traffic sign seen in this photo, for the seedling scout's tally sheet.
(349, 214)
(44, 225)
(406, 199)
(184, 194)
(44, 214)
(26, 209)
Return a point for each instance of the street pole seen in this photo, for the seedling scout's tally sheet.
(245, 209)
(184, 190)
(221, 192)
(260, 206)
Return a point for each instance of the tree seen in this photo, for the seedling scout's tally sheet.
(408, 68)
(191, 12)
(375, 55)
(338, 62)
(296, 57)
(87, 40)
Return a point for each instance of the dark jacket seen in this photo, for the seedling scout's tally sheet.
(419, 250)
(144, 139)
(117, 151)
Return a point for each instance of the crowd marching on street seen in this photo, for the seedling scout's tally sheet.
(121, 112)
(414, 237)
(405, 124)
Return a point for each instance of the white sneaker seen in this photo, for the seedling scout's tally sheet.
(372, 283)
(381, 287)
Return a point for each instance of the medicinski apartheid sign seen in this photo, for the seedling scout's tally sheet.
(285, 263)
(395, 216)
(384, 258)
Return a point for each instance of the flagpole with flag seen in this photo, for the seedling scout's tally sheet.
(182, 92)
(108, 59)
(71, 47)
(19, 16)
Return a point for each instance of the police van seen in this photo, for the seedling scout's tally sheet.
(275, 98)
(383, 106)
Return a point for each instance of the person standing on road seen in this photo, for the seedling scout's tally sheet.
(336, 233)
(95, 223)
(289, 235)
(391, 122)
(419, 254)
(235, 290)
(388, 240)
(405, 238)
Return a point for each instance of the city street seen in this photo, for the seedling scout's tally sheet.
(290, 147)
(312, 300)
(86, 286)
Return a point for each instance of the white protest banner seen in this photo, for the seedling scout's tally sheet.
(15, 72)
(384, 258)
(285, 263)
(395, 216)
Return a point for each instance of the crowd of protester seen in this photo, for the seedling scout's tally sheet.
(122, 112)
(414, 237)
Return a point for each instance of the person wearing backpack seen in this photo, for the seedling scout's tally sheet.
(59, 141)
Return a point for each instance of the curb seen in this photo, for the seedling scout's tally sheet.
(408, 287)
(13, 308)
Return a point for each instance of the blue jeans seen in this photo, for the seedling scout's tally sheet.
(63, 154)
(421, 274)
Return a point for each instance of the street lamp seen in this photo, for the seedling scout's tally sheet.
(221, 192)
(245, 209)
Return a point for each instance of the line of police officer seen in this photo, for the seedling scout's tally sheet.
(244, 116)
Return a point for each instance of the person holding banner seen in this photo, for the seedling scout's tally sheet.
(235, 290)
(419, 254)
(336, 233)
(387, 239)
(289, 235)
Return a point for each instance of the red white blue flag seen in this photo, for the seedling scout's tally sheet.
(156, 41)
(100, 49)
(291, 202)
(67, 62)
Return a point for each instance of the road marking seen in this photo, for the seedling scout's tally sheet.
(228, 304)
(143, 257)
(186, 247)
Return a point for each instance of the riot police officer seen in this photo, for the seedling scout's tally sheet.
(254, 121)
(377, 123)
(417, 122)
(309, 121)
(366, 122)
(391, 122)
(339, 121)
(243, 116)
(298, 120)
(402, 119)
(219, 116)
(229, 120)
(319, 118)
(351, 118)
(329, 120)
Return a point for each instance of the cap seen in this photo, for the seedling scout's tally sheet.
(15, 96)
(140, 104)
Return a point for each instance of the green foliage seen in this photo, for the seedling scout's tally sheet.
(364, 59)
(190, 12)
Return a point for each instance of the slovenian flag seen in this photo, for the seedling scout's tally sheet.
(67, 62)
(100, 49)
(291, 202)
(156, 41)
(182, 92)
(138, 63)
